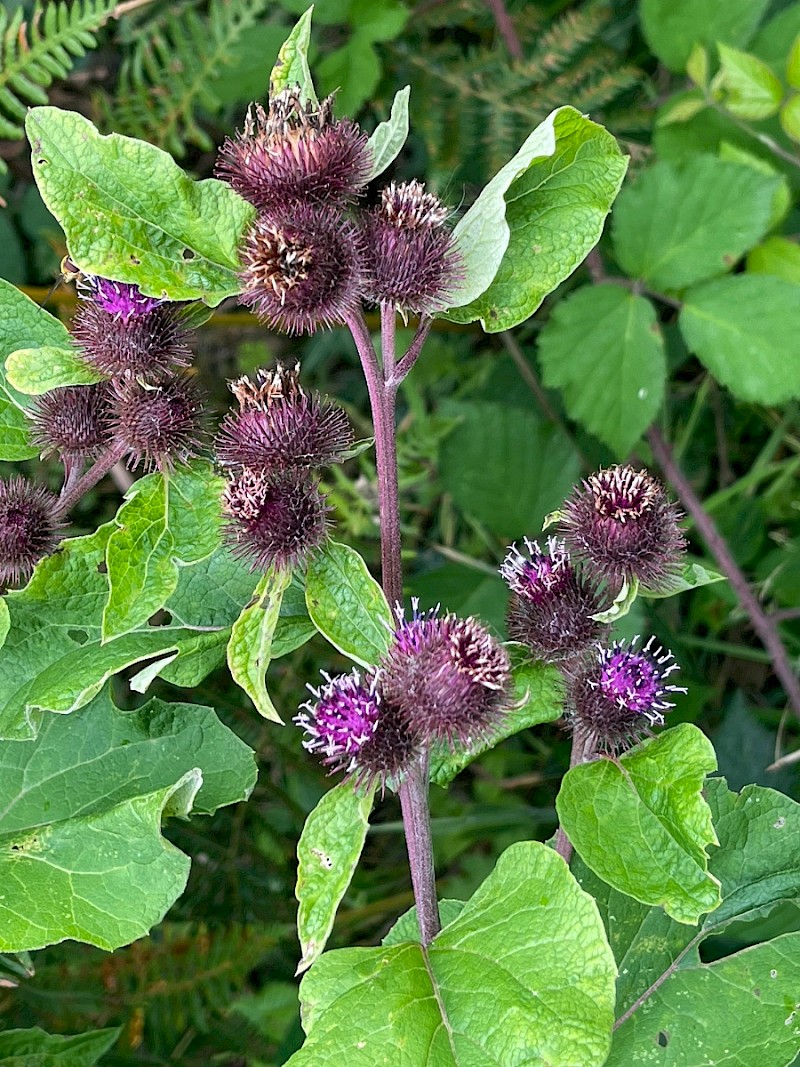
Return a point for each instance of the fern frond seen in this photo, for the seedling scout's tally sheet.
(167, 85)
(33, 53)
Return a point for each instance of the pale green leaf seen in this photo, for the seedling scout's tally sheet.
(790, 118)
(673, 27)
(389, 137)
(622, 603)
(407, 926)
(682, 108)
(746, 330)
(793, 64)
(36, 1048)
(697, 66)
(692, 575)
(778, 257)
(291, 66)
(642, 825)
(167, 521)
(5, 621)
(38, 370)
(327, 854)
(602, 347)
(748, 88)
(130, 213)
(250, 645)
(347, 605)
(676, 227)
(526, 950)
(536, 220)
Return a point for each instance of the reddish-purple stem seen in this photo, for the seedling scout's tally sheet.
(74, 489)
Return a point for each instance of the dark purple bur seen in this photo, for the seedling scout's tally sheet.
(159, 425)
(72, 421)
(622, 693)
(28, 527)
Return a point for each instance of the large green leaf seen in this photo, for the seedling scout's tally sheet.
(250, 645)
(746, 330)
(673, 227)
(327, 854)
(129, 212)
(36, 1048)
(506, 467)
(603, 349)
(168, 521)
(523, 975)
(673, 26)
(347, 605)
(538, 697)
(22, 324)
(537, 219)
(81, 852)
(642, 825)
(53, 658)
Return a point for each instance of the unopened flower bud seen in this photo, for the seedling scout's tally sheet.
(71, 421)
(158, 424)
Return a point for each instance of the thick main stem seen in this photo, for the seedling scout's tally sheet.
(417, 823)
(580, 753)
(413, 791)
(74, 489)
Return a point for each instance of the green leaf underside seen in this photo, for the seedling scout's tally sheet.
(81, 852)
(130, 213)
(673, 228)
(53, 658)
(291, 66)
(622, 603)
(347, 605)
(643, 826)
(726, 1012)
(166, 522)
(36, 1048)
(538, 697)
(388, 138)
(22, 324)
(693, 574)
(38, 370)
(536, 220)
(527, 949)
(603, 349)
(746, 330)
(250, 645)
(328, 852)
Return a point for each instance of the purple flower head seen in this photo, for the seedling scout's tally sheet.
(28, 527)
(355, 731)
(278, 426)
(412, 262)
(296, 152)
(302, 268)
(623, 525)
(71, 421)
(448, 677)
(119, 299)
(552, 603)
(159, 424)
(619, 695)
(121, 332)
(276, 520)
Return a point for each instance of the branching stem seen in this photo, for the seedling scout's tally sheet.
(74, 489)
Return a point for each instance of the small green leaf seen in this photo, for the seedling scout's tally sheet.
(793, 64)
(673, 28)
(746, 330)
(692, 575)
(291, 66)
(602, 347)
(389, 137)
(682, 108)
(776, 256)
(38, 370)
(36, 1048)
(527, 949)
(347, 605)
(328, 852)
(676, 227)
(167, 521)
(5, 621)
(642, 825)
(622, 603)
(22, 322)
(536, 220)
(697, 66)
(250, 646)
(749, 88)
(130, 213)
(790, 118)
(407, 926)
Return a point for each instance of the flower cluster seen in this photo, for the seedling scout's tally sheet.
(618, 527)
(442, 680)
(312, 255)
(271, 448)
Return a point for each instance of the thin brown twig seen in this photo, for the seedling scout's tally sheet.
(761, 622)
